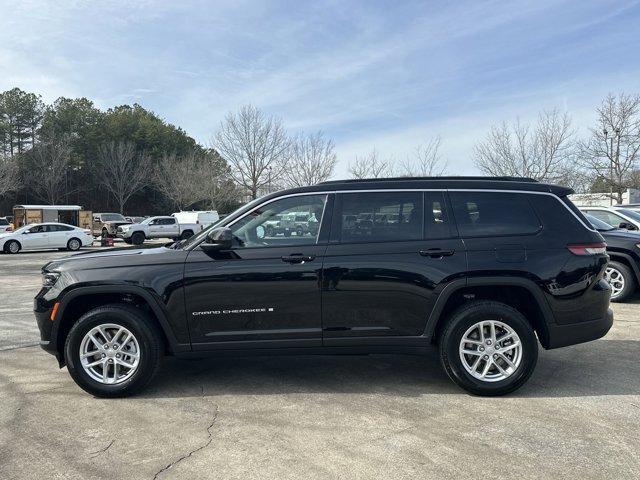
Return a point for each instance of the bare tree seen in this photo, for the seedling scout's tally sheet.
(122, 171)
(196, 177)
(426, 161)
(255, 147)
(9, 175)
(541, 152)
(46, 165)
(312, 160)
(371, 166)
(612, 150)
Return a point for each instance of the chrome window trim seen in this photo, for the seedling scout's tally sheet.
(375, 190)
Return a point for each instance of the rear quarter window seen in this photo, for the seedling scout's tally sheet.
(484, 214)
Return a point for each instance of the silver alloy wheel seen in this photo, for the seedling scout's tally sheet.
(615, 278)
(14, 247)
(74, 244)
(491, 351)
(109, 353)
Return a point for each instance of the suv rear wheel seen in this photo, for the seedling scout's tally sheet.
(113, 351)
(621, 279)
(488, 348)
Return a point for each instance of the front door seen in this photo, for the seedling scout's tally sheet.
(265, 291)
(388, 252)
(36, 237)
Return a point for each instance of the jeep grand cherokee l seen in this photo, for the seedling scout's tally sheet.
(483, 268)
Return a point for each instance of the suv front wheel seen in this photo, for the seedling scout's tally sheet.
(113, 351)
(488, 348)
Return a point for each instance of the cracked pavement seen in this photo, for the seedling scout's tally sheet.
(351, 417)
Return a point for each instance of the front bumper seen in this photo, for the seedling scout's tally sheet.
(574, 333)
(48, 328)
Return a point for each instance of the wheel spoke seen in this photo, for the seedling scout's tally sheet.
(472, 352)
(487, 366)
(492, 326)
(509, 362)
(93, 364)
(474, 367)
(95, 341)
(125, 363)
(117, 334)
(481, 326)
(510, 347)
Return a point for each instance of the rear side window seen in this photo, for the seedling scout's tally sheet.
(381, 217)
(486, 214)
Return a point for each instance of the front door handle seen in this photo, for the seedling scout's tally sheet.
(298, 258)
(436, 252)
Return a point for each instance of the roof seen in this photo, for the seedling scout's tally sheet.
(436, 183)
(49, 207)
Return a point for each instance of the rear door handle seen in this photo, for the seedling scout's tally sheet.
(298, 258)
(436, 252)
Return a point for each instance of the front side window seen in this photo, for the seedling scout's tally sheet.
(607, 217)
(289, 221)
(481, 214)
(381, 217)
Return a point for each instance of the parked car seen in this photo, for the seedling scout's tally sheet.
(5, 225)
(43, 236)
(617, 217)
(482, 268)
(623, 269)
(106, 224)
(203, 218)
(156, 227)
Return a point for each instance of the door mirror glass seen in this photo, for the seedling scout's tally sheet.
(218, 239)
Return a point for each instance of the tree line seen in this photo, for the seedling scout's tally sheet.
(128, 159)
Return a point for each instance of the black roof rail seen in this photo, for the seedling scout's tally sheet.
(397, 179)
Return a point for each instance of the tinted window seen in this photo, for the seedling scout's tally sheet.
(487, 214)
(4, 221)
(168, 221)
(380, 217)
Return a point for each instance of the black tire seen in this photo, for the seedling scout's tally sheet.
(186, 234)
(12, 246)
(628, 278)
(287, 233)
(74, 244)
(137, 238)
(128, 241)
(464, 318)
(137, 322)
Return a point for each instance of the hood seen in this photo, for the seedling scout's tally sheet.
(116, 258)
(117, 223)
(622, 234)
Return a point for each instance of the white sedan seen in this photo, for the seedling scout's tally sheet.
(42, 236)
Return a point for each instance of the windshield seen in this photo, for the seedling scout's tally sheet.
(147, 220)
(630, 213)
(599, 224)
(112, 217)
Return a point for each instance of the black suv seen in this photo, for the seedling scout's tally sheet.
(484, 268)
(623, 270)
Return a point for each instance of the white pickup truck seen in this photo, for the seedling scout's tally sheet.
(157, 227)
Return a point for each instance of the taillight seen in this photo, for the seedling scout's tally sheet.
(588, 248)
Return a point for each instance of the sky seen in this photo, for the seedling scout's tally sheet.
(371, 74)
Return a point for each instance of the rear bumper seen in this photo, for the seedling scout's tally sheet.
(572, 334)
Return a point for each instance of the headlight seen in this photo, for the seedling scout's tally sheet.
(49, 279)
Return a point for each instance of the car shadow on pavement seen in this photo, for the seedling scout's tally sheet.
(604, 367)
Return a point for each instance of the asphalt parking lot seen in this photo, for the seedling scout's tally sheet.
(351, 417)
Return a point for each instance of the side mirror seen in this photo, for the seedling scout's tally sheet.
(218, 239)
(627, 226)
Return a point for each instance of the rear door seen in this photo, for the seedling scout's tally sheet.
(382, 271)
(171, 228)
